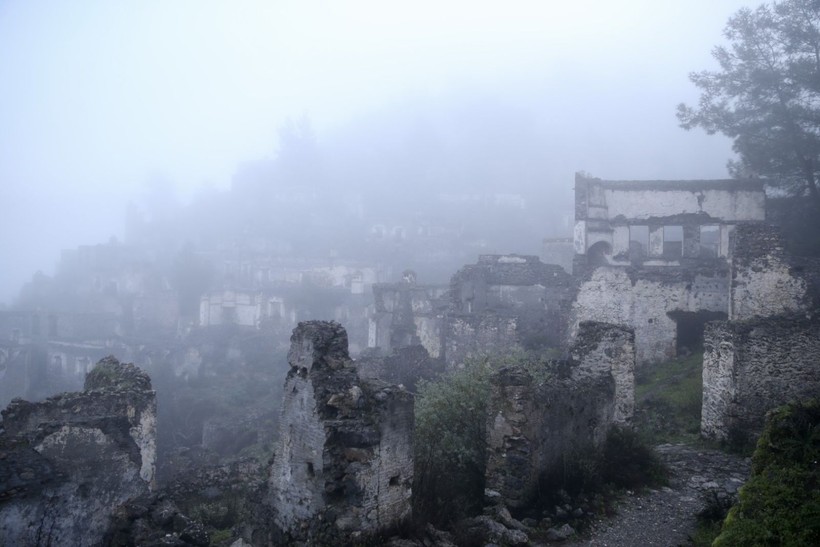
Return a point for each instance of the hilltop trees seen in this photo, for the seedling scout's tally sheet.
(766, 95)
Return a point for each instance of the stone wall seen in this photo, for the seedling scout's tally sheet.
(506, 302)
(766, 280)
(70, 460)
(538, 420)
(469, 336)
(407, 314)
(607, 212)
(752, 366)
(648, 300)
(606, 350)
(344, 464)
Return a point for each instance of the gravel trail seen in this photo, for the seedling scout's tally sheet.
(667, 516)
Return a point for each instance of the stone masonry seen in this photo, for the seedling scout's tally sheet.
(344, 464)
(537, 419)
(506, 302)
(655, 256)
(752, 366)
(66, 463)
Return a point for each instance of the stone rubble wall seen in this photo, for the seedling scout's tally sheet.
(468, 336)
(643, 300)
(69, 461)
(602, 350)
(766, 281)
(537, 421)
(345, 455)
(752, 366)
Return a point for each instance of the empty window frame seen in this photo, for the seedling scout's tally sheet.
(672, 241)
(638, 240)
(710, 241)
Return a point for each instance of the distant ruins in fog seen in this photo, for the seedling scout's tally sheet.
(658, 269)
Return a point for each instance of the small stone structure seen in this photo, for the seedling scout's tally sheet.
(344, 464)
(538, 419)
(505, 302)
(69, 461)
(407, 314)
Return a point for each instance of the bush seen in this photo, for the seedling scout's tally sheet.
(629, 462)
(450, 444)
(780, 505)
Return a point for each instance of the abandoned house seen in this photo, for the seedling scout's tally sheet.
(654, 255)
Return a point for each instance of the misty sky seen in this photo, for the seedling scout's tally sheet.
(99, 97)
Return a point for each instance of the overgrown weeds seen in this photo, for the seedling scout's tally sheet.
(668, 399)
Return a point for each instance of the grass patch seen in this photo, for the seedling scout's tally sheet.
(668, 398)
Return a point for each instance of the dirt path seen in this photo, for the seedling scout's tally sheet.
(666, 517)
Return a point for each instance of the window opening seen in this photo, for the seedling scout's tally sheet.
(639, 240)
(672, 241)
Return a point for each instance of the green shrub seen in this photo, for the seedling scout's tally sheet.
(450, 444)
(629, 462)
(668, 399)
(780, 505)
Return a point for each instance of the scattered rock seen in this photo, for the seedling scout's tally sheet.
(562, 533)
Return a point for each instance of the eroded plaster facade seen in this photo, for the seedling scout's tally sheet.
(656, 256)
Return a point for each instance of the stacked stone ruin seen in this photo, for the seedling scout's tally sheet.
(67, 462)
(344, 461)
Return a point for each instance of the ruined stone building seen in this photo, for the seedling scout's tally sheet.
(534, 422)
(502, 303)
(655, 255)
(69, 461)
(505, 303)
(344, 460)
(768, 351)
(407, 314)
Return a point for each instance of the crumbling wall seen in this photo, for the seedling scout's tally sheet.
(469, 336)
(765, 280)
(752, 366)
(407, 314)
(344, 464)
(647, 299)
(602, 350)
(536, 421)
(70, 460)
(606, 211)
(506, 302)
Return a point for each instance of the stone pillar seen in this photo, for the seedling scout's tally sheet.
(601, 349)
(344, 464)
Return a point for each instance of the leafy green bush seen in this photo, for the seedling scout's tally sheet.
(450, 444)
(780, 505)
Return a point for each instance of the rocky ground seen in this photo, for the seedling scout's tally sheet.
(667, 516)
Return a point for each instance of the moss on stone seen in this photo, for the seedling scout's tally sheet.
(780, 505)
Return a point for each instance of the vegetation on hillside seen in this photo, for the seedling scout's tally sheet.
(780, 505)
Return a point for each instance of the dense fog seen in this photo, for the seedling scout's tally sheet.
(370, 113)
